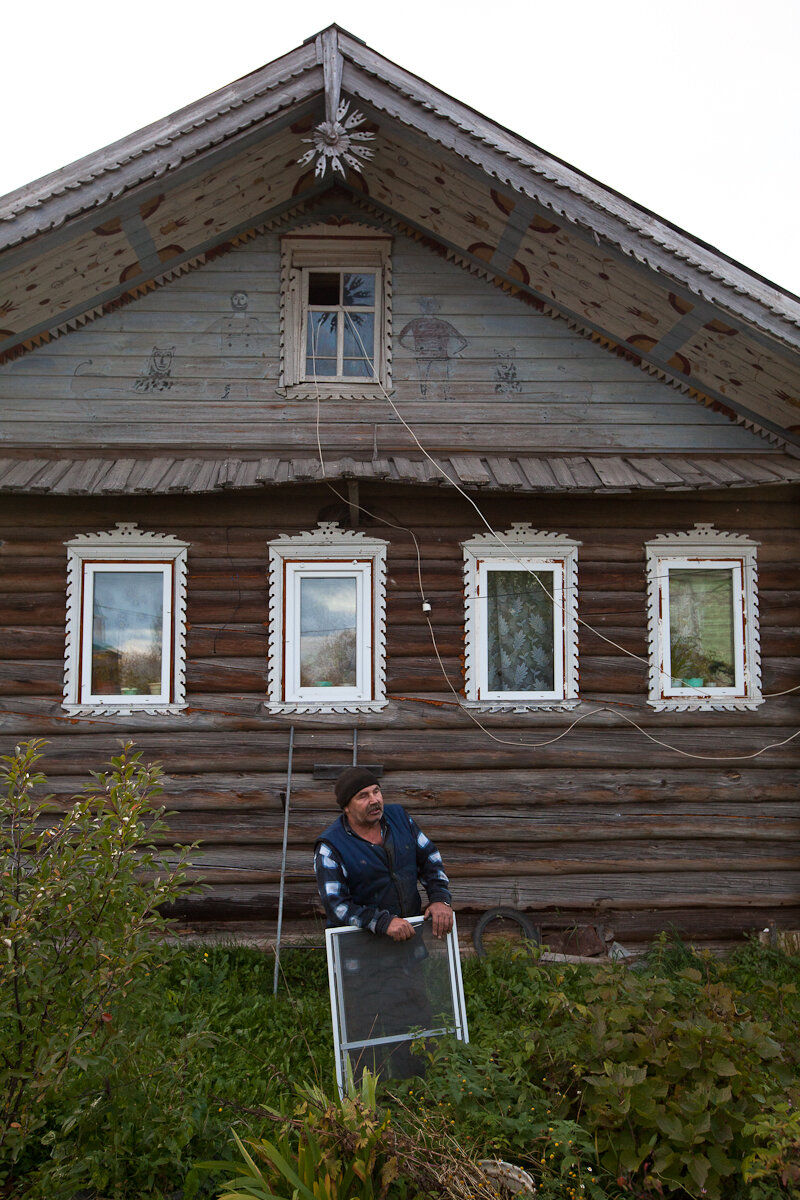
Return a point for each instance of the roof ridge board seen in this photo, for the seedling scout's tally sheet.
(635, 217)
(158, 134)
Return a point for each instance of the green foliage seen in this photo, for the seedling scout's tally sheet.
(675, 1079)
(79, 897)
(329, 1150)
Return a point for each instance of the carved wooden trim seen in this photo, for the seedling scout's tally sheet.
(323, 544)
(337, 246)
(704, 543)
(523, 546)
(126, 543)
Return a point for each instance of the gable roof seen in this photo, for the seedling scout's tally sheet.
(114, 224)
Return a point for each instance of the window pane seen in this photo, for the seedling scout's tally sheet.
(359, 339)
(701, 625)
(359, 290)
(127, 623)
(321, 344)
(328, 632)
(323, 287)
(521, 652)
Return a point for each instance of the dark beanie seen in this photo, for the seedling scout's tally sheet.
(352, 780)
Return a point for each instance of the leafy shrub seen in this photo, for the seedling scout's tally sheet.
(79, 904)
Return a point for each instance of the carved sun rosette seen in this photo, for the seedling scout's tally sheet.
(335, 143)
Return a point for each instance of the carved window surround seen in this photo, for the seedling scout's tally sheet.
(343, 250)
(681, 569)
(549, 562)
(116, 569)
(332, 563)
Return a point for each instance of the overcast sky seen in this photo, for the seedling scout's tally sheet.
(688, 107)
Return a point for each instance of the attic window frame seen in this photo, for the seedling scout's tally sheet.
(521, 548)
(347, 250)
(709, 549)
(126, 549)
(327, 550)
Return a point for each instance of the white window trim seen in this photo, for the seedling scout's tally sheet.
(128, 548)
(328, 548)
(704, 547)
(522, 548)
(338, 248)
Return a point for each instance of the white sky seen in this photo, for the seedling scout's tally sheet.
(688, 107)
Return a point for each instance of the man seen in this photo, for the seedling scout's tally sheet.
(369, 860)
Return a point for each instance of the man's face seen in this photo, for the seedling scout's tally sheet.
(366, 807)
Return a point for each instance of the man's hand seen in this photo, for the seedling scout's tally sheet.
(400, 930)
(441, 915)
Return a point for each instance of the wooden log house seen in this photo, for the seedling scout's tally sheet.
(332, 410)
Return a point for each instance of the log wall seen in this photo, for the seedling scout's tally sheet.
(600, 825)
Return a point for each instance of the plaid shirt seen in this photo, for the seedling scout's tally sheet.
(334, 888)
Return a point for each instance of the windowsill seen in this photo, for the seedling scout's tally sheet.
(705, 703)
(123, 709)
(320, 706)
(332, 390)
(520, 706)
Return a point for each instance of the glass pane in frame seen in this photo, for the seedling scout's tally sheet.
(126, 649)
(385, 994)
(702, 626)
(328, 631)
(520, 631)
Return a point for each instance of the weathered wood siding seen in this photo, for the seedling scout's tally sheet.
(602, 825)
(522, 376)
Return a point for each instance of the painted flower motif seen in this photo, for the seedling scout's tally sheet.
(335, 143)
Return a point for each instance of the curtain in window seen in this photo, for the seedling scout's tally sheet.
(521, 653)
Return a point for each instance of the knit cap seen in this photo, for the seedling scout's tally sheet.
(351, 781)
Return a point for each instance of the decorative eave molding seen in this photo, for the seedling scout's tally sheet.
(125, 543)
(320, 544)
(637, 233)
(523, 541)
(705, 541)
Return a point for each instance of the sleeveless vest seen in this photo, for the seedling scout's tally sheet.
(380, 876)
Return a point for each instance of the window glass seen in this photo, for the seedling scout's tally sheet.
(328, 628)
(359, 290)
(127, 633)
(520, 641)
(340, 325)
(701, 627)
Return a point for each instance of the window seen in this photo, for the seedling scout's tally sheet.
(126, 604)
(327, 621)
(521, 620)
(335, 311)
(703, 611)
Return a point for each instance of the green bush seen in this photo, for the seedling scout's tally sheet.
(79, 905)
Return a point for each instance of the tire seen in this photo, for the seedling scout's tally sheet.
(530, 932)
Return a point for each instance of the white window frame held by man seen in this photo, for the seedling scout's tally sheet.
(675, 557)
(124, 551)
(551, 560)
(309, 256)
(357, 562)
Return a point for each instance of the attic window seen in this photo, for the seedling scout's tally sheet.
(703, 621)
(521, 620)
(126, 600)
(335, 298)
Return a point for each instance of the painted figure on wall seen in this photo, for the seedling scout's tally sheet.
(157, 375)
(506, 382)
(239, 332)
(435, 343)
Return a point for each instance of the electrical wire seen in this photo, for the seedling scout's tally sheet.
(465, 708)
